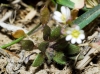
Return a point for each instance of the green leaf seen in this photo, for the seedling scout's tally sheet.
(60, 44)
(53, 1)
(59, 58)
(67, 3)
(72, 49)
(55, 33)
(87, 17)
(46, 32)
(43, 46)
(27, 45)
(38, 60)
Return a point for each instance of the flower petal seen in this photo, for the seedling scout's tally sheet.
(68, 16)
(63, 10)
(69, 37)
(77, 27)
(73, 40)
(57, 18)
(79, 41)
(68, 32)
(81, 36)
(66, 12)
(81, 31)
(58, 14)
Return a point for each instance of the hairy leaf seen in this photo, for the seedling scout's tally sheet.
(72, 49)
(38, 60)
(59, 58)
(46, 32)
(27, 45)
(60, 44)
(55, 33)
(43, 46)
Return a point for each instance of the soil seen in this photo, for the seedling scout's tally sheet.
(12, 64)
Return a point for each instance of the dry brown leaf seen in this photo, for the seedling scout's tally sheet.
(78, 4)
(18, 33)
(45, 14)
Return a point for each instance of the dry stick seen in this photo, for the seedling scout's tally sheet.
(9, 26)
(16, 1)
(12, 53)
(23, 4)
(90, 55)
(6, 16)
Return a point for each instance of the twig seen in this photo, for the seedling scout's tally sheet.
(7, 53)
(12, 53)
(4, 53)
(6, 16)
(89, 56)
(23, 4)
(30, 15)
(93, 36)
(28, 57)
(11, 27)
(16, 1)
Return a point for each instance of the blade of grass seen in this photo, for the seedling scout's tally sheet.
(87, 17)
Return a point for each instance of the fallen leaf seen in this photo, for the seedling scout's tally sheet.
(18, 33)
(74, 14)
(78, 4)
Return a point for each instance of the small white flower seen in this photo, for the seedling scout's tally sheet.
(62, 16)
(75, 35)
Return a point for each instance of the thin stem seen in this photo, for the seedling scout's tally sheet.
(19, 39)
(30, 32)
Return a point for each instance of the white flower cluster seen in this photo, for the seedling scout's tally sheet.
(74, 34)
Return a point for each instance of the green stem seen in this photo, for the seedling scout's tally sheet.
(19, 39)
